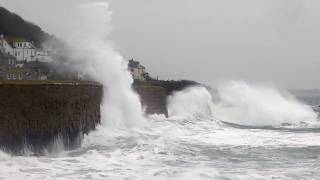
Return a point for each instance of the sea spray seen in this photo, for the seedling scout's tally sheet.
(190, 102)
(240, 103)
(254, 105)
(93, 54)
(192, 154)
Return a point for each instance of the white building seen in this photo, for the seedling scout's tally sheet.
(137, 70)
(23, 50)
(42, 56)
(5, 47)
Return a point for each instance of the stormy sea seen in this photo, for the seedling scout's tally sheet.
(237, 131)
(234, 130)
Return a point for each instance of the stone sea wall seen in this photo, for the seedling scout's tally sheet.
(36, 113)
(154, 93)
(153, 99)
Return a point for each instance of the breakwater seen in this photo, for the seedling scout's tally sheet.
(35, 114)
(154, 93)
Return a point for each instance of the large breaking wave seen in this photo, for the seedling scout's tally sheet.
(189, 103)
(240, 103)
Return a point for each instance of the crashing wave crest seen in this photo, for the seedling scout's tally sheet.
(242, 104)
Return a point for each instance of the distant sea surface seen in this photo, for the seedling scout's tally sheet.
(311, 97)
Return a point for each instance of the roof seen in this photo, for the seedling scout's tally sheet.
(12, 40)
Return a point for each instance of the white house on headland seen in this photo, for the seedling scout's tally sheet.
(137, 71)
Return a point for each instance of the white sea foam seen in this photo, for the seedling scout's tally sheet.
(239, 103)
(171, 148)
(189, 103)
(254, 105)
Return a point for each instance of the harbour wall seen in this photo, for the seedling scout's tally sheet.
(35, 114)
(153, 99)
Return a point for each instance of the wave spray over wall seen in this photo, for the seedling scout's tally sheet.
(243, 104)
(190, 103)
(95, 56)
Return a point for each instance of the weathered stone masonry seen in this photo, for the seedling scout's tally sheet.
(35, 113)
(153, 98)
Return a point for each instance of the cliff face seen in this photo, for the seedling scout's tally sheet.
(153, 98)
(153, 94)
(37, 113)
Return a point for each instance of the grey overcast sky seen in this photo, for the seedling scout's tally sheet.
(266, 41)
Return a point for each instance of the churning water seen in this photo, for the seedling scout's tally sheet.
(193, 143)
(241, 132)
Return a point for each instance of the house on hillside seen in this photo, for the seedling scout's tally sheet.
(23, 50)
(17, 73)
(21, 60)
(5, 47)
(137, 71)
(28, 71)
(7, 62)
(43, 56)
(37, 70)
